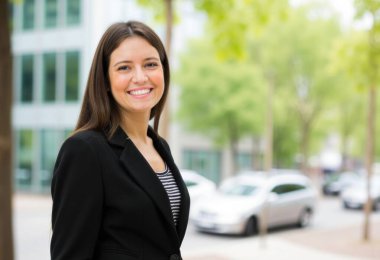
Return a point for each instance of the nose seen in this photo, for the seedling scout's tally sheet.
(139, 76)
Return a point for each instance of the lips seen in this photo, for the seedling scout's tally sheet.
(139, 92)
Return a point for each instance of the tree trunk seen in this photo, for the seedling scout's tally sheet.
(374, 50)
(233, 139)
(304, 146)
(234, 153)
(369, 159)
(165, 120)
(269, 127)
(6, 237)
(256, 163)
(345, 153)
(268, 156)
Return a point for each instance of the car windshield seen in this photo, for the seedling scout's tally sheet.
(239, 189)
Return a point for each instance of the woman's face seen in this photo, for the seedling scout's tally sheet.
(136, 76)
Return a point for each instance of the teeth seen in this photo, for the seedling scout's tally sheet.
(140, 92)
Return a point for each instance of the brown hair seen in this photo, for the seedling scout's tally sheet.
(99, 109)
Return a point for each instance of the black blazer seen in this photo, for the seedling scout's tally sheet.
(108, 204)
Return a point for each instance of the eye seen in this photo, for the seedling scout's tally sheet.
(124, 67)
(151, 65)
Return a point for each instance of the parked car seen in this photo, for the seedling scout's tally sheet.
(355, 197)
(335, 183)
(240, 203)
(197, 185)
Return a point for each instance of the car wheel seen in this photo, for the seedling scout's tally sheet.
(251, 227)
(305, 218)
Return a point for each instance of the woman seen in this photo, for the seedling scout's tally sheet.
(117, 193)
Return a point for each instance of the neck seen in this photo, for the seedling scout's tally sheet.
(136, 127)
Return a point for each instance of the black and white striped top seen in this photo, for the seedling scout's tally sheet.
(172, 190)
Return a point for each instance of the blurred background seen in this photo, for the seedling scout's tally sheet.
(256, 86)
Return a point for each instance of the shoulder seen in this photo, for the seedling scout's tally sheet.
(82, 150)
(86, 136)
(83, 140)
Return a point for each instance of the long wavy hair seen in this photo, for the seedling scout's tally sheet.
(99, 109)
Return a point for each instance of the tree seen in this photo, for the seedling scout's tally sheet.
(284, 131)
(299, 70)
(231, 25)
(218, 98)
(347, 56)
(370, 8)
(6, 237)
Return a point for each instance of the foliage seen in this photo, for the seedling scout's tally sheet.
(158, 8)
(349, 60)
(232, 23)
(296, 62)
(220, 99)
(284, 133)
(368, 51)
(290, 49)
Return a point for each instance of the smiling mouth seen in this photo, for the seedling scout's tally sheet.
(140, 92)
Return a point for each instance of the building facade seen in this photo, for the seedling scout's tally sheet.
(53, 42)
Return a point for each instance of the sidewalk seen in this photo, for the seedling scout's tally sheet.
(275, 248)
(337, 244)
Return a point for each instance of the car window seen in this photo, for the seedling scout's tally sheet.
(190, 183)
(286, 188)
(239, 189)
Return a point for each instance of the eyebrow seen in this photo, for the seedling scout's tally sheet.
(129, 61)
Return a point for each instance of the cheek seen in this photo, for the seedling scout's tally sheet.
(119, 83)
(158, 79)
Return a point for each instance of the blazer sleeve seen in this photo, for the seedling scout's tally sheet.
(77, 195)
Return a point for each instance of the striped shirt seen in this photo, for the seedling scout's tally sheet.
(172, 190)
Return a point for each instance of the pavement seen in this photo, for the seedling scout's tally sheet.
(343, 243)
(340, 244)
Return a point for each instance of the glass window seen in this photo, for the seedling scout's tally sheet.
(24, 157)
(206, 163)
(240, 189)
(286, 188)
(28, 14)
(27, 78)
(51, 13)
(73, 12)
(244, 161)
(51, 141)
(49, 77)
(72, 76)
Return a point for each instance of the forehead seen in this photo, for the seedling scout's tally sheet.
(134, 47)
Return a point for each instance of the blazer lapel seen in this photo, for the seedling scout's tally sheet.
(143, 174)
(163, 150)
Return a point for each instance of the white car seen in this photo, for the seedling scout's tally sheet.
(240, 204)
(356, 195)
(197, 185)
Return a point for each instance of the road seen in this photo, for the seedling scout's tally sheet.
(33, 230)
